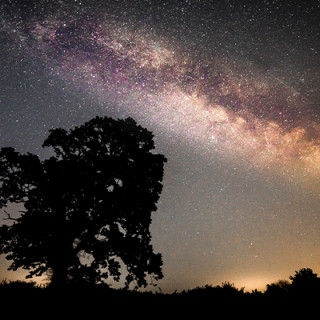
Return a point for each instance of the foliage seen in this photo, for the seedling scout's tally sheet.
(87, 208)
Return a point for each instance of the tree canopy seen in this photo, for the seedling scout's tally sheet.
(87, 209)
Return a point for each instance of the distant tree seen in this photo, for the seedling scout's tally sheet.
(87, 208)
(228, 288)
(305, 281)
(279, 288)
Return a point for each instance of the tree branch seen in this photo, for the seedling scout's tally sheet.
(9, 217)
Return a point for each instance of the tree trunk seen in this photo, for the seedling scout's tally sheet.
(61, 252)
(59, 277)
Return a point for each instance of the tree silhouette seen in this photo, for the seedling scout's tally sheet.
(88, 207)
(280, 288)
(305, 282)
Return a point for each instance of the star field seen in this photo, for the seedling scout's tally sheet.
(230, 90)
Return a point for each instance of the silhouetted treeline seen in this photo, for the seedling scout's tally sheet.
(303, 287)
(304, 283)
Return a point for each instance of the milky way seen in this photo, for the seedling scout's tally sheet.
(190, 71)
(218, 104)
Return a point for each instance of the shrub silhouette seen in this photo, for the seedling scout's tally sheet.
(87, 208)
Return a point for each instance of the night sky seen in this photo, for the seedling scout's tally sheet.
(230, 90)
